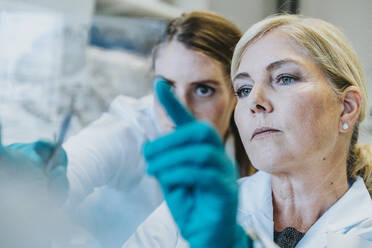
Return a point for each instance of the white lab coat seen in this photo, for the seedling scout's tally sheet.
(350, 218)
(110, 192)
(109, 188)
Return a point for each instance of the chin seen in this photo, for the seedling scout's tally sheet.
(269, 163)
(272, 169)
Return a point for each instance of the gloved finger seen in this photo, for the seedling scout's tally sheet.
(38, 152)
(27, 149)
(195, 132)
(44, 150)
(185, 176)
(192, 176)
(172, 106)
(207, 156)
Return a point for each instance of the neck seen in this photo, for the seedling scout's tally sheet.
(299, 199)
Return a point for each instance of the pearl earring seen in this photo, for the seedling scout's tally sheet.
(345, 126)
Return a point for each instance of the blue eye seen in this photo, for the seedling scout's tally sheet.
(243, 92)
(286, 79)
(204, 91)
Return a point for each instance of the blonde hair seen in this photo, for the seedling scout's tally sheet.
(332, 52)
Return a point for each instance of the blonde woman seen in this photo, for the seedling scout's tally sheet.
(301, 97)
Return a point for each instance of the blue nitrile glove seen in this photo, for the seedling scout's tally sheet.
(27, 162)
(31, 197)
(197, 178)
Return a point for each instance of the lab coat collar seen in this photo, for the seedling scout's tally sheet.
(257, 186)
(350, 210)
(359, 204)
(255, 204)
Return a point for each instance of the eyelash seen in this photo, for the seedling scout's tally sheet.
(239, 93)
(281, 76)
(210, 89)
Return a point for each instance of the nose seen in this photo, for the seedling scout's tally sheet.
(259, 101)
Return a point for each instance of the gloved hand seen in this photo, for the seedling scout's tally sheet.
(25, 165)
(30, 196)
(197, 178)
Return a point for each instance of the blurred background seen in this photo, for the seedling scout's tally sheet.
(87, 52)
(76, 56)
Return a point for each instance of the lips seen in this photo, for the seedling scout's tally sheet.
(263, 130)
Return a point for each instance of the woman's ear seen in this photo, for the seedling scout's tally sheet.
(352, 104)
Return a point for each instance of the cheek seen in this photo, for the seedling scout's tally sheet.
(164, 121)
(309, 123)
(245, 124)
(312, 121)
(217, 111)
(243, 121)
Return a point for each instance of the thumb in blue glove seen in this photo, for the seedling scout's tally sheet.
(197, 178)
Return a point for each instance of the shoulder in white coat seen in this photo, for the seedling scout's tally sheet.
(108, 151)
(158, 231)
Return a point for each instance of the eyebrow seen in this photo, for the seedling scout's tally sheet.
(280, 63)
(204, 81)
(270, 67)
(210, 81)
(241, 75)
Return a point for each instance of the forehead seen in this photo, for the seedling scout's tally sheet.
(178, 63)
(273, 46)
